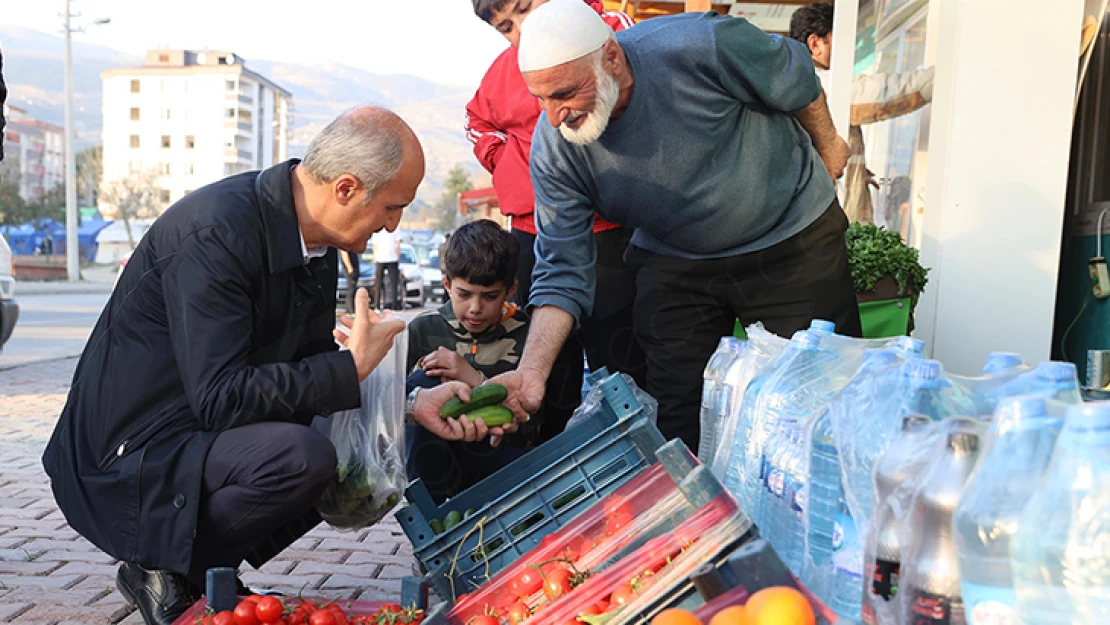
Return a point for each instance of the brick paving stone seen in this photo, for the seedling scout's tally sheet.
(9, 611)
(369, 557)
(380, 589)
(135, 618)
(278, 567)
(289, 584)
(60, 555)
(52, 612)
(393, 571)
(72, 596)
(351, 581)
(350, 545)
(85, 568)
(47, 544)
(26, 567)
(362, 570)
(326, 557)
(52, 582)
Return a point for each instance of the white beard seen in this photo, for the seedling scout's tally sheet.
(597, 120)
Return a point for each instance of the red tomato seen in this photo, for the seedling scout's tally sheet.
(621, 595)
(617, 521)
(557, 584)
(227, 617)
(254, 598)
(518, 613)
(321, 617)
(308, 607)
(526, 583)
(484, 619)
(268, 609)
(338, 613)
(615, 505)
(244, 613)
(296, 617)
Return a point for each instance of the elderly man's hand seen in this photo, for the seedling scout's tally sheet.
(368, 335)
(431, 400)
(526, 389)
(835, 155)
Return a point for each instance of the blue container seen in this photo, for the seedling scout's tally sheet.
(533, 496)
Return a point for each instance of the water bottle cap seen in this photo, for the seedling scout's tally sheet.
(913, 422)
(1056, 371)
(1002, 361)
(963, 441)
(1090, 415)
(823, 326)
(908, 345)
(922, 370)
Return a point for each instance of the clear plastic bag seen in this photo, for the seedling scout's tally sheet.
(595, 398)
(370, 447)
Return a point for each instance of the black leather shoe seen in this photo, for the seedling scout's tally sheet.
(161, 596)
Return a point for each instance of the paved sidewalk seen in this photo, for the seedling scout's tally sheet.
(94, 279)
(49, 574)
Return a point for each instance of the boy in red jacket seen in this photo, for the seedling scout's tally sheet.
(499, 122)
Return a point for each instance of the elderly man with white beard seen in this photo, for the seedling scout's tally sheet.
(713, 140)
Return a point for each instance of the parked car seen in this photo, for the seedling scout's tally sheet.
(410, 268)
(9, 308)
(433, 278)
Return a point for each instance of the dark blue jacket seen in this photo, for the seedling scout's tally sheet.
(216, 322)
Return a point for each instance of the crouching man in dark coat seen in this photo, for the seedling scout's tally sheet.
(185, 441)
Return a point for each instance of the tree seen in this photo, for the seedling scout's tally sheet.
(90, 173)
(13, 210)
(132, 197)
(458, 180)
(52, 205)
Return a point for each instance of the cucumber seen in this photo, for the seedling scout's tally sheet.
(469, 513)
(452, 519)
(437, 526)
(492, 416)
(485, 395)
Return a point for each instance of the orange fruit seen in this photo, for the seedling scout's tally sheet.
(779, 605)
(732, 615)
(674, 616)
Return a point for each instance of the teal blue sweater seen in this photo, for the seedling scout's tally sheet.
(707, 161)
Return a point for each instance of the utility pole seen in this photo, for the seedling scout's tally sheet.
(73, 267)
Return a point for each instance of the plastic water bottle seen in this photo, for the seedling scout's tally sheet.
(931, 394)
(847, 564)
(1019, 445)
(713, 402)
(1002, 363)
(794, 503)
(907, 347)
(930, 571)
(883, 553)
(1051, 379)
(826, 493)
(1060, 554)
(822, 326)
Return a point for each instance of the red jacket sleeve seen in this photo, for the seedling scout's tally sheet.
(617, 20)
(488, 140)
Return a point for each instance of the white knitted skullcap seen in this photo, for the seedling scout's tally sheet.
(559, 32)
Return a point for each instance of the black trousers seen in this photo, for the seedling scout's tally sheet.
(606, 335)
(389, 295)
(352, 288)
(684, 307)
(259, 492)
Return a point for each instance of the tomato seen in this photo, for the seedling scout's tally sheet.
(321, 617)
(227, 617)
(254, 598)
(518, 613)
(621, 595)
(268, 609)
(484, 619)
(526, 583)
(338, 613)
(244, 613)
(619, 520)
(308, 607)
(557, 583)
(462, 597)
(296, 617)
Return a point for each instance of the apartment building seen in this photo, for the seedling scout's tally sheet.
(34, 154)
(193, 117)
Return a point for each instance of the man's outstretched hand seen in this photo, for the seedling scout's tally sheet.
(369, 336)
(526, 389)
(431, 400)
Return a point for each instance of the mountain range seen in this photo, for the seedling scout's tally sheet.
(34, 72)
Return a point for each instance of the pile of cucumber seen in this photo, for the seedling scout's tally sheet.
(483, 405)
(452, 519)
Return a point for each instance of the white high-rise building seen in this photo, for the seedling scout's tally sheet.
(194, 117)
(34, 153)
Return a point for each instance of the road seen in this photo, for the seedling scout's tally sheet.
(51, 327)
(56, 326)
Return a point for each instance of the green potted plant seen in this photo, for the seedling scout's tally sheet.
(888, 277)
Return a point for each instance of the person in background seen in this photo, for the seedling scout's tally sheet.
(724, 167)
(875, 98)
(351, 271)
(477, 334)
(186, 440)
(442, 249)
(387, 258)
(500, 121)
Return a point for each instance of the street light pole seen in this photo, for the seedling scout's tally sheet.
(73, 267)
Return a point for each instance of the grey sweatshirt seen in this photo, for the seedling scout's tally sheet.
(706, 162)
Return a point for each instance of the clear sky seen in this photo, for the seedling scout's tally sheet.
(441, 40)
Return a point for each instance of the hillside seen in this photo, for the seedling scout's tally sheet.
(34, 71)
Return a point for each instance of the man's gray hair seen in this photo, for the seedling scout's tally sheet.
(366, 146)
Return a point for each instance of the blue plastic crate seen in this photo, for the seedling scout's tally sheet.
(554, 483)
